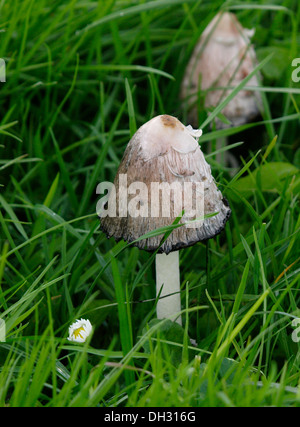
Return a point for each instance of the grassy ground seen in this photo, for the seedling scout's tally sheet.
(81, 77)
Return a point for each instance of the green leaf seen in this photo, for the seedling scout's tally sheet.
(271, 179)
(167, 331)
(277, 65)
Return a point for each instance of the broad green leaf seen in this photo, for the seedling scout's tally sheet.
(168, 331)
(271, 179)
(277, 65)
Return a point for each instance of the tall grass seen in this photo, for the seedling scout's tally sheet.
(81, 78)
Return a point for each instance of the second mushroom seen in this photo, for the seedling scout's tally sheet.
(222, 58)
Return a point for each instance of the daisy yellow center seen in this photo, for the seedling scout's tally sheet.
(77, 332)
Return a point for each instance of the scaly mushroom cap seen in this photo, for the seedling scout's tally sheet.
(164, 151)
(222, 58)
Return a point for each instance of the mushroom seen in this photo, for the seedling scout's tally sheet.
(222, 58)
(163, 176)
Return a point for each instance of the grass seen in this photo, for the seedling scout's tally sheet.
(81, 78)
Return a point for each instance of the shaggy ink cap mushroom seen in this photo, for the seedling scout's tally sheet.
(164, 151)
(223, 57)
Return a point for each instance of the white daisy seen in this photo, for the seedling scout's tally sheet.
(80, 330)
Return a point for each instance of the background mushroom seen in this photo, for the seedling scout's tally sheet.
(164, 153)
(222, 58)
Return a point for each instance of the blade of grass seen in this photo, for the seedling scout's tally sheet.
(65, 173)
(242, 323)
(125, 333)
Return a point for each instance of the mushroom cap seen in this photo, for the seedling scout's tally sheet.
(222, 57)
(164, 152)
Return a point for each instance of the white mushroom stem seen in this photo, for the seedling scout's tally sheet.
(168, 279)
